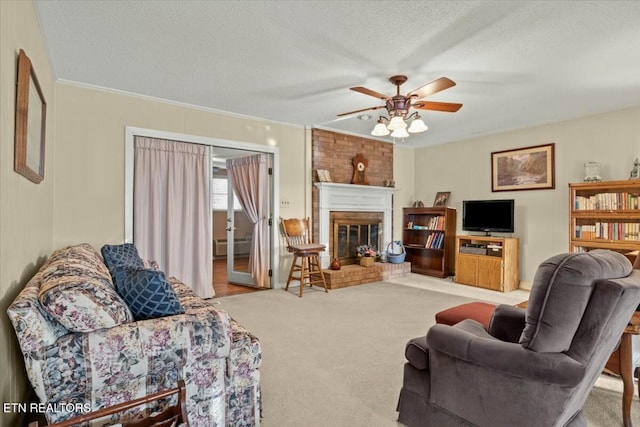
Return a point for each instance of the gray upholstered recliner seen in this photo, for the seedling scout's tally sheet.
(533, 368)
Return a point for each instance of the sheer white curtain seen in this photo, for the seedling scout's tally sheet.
(172, 214)
(250, 180)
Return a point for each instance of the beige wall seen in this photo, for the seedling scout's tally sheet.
(89, 204)
(26, 223)
(90, 177)
(403, 174)
(541, 216)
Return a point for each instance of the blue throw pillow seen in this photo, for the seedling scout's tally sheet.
(124, 254)
(114, 256)
(146, 292)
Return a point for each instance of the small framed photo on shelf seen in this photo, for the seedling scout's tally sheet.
(323, 175)
(442, 198)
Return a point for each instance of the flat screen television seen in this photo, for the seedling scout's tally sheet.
(488, 215)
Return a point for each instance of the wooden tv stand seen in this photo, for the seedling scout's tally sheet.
(488, 262)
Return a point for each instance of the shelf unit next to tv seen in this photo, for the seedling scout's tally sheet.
(604, 215)
(429, 239)
(494, 265)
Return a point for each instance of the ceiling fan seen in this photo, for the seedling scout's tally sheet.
(398, 106)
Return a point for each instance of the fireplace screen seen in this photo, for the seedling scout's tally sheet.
(348, 236)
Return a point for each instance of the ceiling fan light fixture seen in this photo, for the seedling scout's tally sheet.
(399, 114)
(400, 133)
(397, 122)
(380, 129)
(417, 126)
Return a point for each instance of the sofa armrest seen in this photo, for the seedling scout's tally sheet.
(511, 359)
(507, 323)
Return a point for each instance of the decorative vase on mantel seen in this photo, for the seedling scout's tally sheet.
(367, 261)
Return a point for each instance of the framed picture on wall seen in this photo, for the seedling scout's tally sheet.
(529, 168)
(31, 113)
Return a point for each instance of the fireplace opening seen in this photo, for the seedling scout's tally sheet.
(351, 231)
(348, 236)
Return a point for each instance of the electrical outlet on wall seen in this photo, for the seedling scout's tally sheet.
(284, 203)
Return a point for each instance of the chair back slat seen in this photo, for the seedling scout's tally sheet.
(296, 231)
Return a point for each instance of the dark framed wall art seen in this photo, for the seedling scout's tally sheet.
(31, 114)
(528, 168)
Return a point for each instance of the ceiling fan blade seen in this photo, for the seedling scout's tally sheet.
(370, 92)
(430, 88)
(359, 111)
(448, 107)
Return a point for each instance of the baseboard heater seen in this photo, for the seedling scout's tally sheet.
(241, 247)
(219, 248)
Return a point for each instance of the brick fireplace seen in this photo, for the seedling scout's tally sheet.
(359, 212)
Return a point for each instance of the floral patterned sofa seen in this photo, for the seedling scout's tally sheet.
(82, 347)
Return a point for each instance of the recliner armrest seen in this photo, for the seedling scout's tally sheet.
(417, 353)
(511, 359)
(507, 323)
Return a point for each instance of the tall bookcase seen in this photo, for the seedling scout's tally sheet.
(429, 238)
(604, 215)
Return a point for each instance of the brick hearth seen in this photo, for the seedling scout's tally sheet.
(352, 275)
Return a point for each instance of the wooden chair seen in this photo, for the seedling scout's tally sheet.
(298, 236)
(171, 416)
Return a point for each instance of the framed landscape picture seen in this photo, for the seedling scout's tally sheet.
(529, 168)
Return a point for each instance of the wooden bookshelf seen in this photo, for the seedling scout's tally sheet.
(604, 215)
(429, 240)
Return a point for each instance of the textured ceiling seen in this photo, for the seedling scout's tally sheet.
(516, 63)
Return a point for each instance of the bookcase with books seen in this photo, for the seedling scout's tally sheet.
(429, 239)
(604, 215)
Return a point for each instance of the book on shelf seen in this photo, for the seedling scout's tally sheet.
(607, 201)
(435, 241)
(429, 240)
(434, 223)
(609, 231)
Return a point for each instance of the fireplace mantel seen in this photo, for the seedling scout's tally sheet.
(352, 198)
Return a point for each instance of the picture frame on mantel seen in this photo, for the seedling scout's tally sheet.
(323, 175)
(528, 168)
(30, 125)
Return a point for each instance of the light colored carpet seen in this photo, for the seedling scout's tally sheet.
(336, 359)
